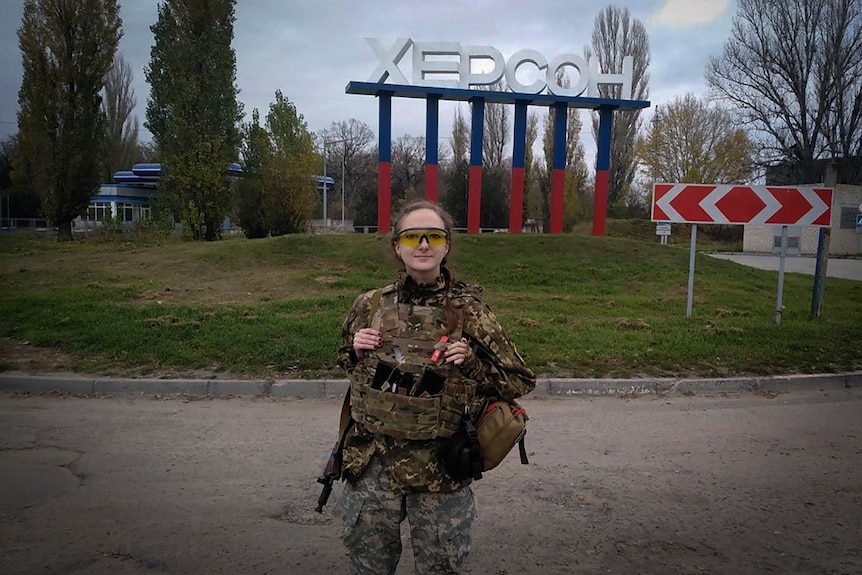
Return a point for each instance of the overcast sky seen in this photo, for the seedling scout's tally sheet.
(310, 49)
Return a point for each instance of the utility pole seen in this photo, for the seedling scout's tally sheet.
(344, 153)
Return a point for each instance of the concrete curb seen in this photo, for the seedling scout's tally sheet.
(329, 388)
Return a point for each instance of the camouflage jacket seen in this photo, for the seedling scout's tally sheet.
(495, 365)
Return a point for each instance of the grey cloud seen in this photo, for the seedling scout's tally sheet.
(310, 50)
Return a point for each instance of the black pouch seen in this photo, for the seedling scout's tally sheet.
(383, 374)
(460, 454)
(389, 378)
(430, 382)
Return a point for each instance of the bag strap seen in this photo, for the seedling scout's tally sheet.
(476, 460)
(522, 449)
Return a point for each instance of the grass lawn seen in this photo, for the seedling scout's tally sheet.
(575, 305)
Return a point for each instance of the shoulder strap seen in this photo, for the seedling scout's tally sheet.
(375, 302)
(345, 421)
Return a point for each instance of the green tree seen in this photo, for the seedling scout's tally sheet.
(276, 194)
(15, 201)
(67, 48)
(193, 112)
(289, 196)
(689, 140)
(248, 207)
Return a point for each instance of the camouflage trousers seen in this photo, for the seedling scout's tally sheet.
(372, 513)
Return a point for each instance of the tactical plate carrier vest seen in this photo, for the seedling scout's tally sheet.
(397, 390)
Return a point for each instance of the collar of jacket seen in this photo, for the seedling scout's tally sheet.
(409, 291)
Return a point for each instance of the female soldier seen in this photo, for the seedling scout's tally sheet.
(418, 353)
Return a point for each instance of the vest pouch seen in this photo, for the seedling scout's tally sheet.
(500, 427)
(457, 395)
(461, 454)
(402, 416)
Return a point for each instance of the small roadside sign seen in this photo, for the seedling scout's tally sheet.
(663, 228)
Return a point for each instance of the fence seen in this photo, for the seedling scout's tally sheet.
(36, 225)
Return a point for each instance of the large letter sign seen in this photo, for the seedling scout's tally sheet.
(458, 71)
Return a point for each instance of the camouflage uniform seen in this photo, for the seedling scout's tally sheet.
(390, 478)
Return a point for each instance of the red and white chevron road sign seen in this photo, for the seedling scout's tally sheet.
(731, 204)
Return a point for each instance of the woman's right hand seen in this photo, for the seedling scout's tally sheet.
(366, 339)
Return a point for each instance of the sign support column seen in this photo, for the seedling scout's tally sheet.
(779, 307)
(558, 175)
(692, 252)
(519, 155)
(474, 198)
(603, 164)
(384, 164)
(431, 139)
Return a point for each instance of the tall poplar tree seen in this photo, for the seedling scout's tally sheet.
(120, 147)
(67, 48)
(616, 34)
(193, 112)
(456, 176)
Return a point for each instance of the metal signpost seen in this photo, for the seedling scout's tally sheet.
(662, 229)
(325, 217)
(730, 204)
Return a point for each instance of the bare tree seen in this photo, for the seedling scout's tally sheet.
(408, 167)
(532, 209)
(497, 133)
(793, 71)
(460, 140)
(456, 172)
(496, 172)
(352, 141)
(576, 170)
(616, 35)
(121, 149)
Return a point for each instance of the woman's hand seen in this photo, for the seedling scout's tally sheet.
(457, 352)
(366, 339)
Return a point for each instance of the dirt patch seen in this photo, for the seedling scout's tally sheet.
(22, 356)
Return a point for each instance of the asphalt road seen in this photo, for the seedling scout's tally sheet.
(847, 268)
(741, 483)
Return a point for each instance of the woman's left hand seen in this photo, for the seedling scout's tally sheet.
(457, 352)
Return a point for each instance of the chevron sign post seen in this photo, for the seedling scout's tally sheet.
(729, 204)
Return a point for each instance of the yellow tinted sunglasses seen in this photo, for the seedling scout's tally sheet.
(412, 237)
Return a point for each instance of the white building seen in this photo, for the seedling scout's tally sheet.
(845, 237)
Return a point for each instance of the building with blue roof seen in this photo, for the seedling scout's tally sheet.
(129, 196)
